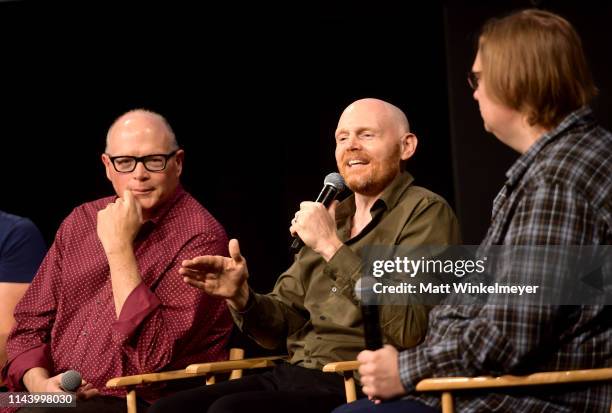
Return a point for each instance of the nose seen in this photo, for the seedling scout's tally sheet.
(140, 172)
(353, 142)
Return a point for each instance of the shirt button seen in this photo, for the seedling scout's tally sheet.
(334, 289)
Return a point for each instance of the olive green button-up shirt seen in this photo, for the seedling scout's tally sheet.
(312, 308)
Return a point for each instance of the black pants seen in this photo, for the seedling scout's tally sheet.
(286, 389)
(390, 406)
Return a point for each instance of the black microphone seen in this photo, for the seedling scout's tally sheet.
(332, 186)
(71, 380)
(369, 312)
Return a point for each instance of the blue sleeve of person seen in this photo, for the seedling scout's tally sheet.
(22, 249)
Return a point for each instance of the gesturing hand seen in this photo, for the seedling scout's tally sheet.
(220, 276)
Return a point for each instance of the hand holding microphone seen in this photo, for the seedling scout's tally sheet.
(37, 380)
(314, 224)
(378, 367)
(71, 381)
(379, 374)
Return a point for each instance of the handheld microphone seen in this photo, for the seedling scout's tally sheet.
(332, 186)
(71, 381)
(369, 312)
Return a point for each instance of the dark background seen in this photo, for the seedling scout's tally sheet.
(253, 93)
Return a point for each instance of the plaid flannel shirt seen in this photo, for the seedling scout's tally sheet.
(558, 193)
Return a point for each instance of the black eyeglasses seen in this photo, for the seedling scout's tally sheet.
(473, 78)
(152, 163)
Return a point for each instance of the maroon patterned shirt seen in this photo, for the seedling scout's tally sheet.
(67, 320)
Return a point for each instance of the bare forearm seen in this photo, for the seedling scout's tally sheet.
(3, 337)
(328, 249)
(125, 276)
(239, 301)
(34, 378)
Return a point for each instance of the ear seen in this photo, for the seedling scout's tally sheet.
(107, 165)
(179, 157)
(408, 145)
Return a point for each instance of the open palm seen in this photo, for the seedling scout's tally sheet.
(217, 275)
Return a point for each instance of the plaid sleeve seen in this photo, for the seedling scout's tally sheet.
(495, 339)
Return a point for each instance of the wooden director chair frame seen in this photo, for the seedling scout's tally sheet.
(235, 365)
(447, 385)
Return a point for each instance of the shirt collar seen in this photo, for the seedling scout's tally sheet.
(387, 200)
(521, 165)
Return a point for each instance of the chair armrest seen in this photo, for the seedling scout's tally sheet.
(226, 366)
(340, 366)
(553, 377)
(148, 378)
(193, 370)
(345, 367)
(234, 354)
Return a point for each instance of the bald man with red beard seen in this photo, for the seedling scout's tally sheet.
(313, 311)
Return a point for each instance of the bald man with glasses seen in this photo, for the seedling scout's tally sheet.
(108, 299)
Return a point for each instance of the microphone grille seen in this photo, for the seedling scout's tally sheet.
(335, 179)
(71, 380)
(364, 290)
